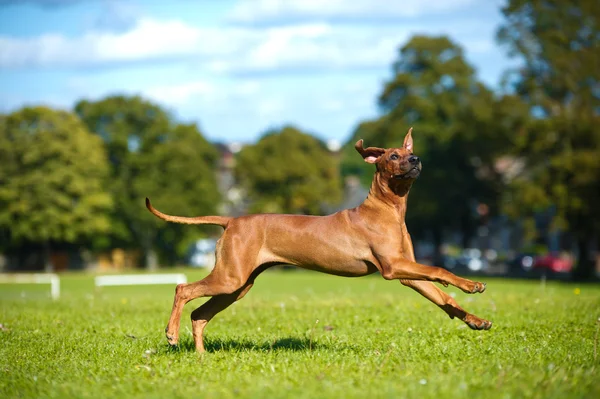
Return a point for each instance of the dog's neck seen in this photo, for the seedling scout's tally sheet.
(389, 192)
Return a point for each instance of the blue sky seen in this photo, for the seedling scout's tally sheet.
(236, 67)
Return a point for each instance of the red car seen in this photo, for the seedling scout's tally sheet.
(554, 262)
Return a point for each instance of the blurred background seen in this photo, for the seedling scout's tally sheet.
(243, 106)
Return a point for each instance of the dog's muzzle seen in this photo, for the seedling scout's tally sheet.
(413, 173)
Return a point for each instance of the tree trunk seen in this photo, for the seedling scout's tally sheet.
(584, 270)
(48, 266)
(151, 260)
(150, 257)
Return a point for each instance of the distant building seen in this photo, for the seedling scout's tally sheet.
(234, 201)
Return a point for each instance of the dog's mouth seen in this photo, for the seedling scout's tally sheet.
(413, 173)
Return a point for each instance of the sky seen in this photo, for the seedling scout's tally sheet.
(236, 67)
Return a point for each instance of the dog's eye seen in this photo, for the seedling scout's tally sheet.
(394, 157)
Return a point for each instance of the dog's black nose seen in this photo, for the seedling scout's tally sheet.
(413, 159)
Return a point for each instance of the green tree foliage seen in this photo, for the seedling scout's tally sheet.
(559, 44)
(150, 156)
(52, 177)
(436, 91)
(288, 171)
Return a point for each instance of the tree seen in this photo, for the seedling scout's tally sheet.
(52, 178)
(559, 44)
(151, 156)
(288, 171)
(436, 91)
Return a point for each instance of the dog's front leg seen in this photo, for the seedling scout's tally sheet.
(432, 292)
(400, 268)
(447, 303)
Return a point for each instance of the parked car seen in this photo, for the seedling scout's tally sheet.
(447, 262)
(554, 262)
(522, 262)
(473, 259)
(470, 258)
(202, 253)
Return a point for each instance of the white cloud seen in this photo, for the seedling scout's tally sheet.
(318, 47)
(150, 39)
(285, 11)
(203, 94)
(232, 50)
(211, 74)
(243, 109)
(221, 50)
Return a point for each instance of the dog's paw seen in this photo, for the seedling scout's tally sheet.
(479, 287)
(476, 323)
(474, 287)
(171, 337)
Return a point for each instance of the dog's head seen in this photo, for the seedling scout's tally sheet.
(394, 163)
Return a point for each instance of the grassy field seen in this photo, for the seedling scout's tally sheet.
(301, 334)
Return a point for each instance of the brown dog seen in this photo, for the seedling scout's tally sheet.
(354, 242)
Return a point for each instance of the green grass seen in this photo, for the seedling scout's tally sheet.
(301, 334)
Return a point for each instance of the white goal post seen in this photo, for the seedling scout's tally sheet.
(36, 278)
(139, 279)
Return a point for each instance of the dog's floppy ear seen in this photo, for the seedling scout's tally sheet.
(408, 141)
(369, 154)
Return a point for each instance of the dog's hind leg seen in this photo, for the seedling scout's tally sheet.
(447, 303)
(230, 274)
(215, 284)
(203, 314)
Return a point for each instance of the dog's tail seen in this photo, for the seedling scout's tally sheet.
(217, 220)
